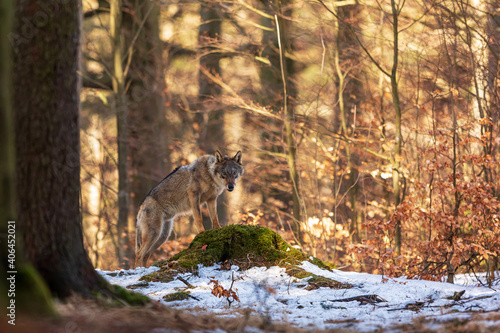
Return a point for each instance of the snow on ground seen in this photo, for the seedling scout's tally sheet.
(283, 298)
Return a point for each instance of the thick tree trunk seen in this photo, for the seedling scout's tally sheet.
(29, 293)
(147, 150)
(47, 104)
(7, 161)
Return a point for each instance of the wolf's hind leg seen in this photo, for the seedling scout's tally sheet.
(166, 229)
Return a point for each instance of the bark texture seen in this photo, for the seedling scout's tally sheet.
(46, 120)
(146, 120)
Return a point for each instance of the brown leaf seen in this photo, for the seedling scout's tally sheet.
(270, 290)
(172, 263)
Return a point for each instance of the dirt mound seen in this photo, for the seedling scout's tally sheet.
(242, 245)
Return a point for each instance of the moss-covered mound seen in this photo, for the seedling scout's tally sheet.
(243, 245)
(177, 296)
(315, 281)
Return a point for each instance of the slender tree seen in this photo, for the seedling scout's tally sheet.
(398, 138)
(120, 105)
(289, 93)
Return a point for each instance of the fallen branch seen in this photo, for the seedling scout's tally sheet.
(412, 306)
(462, 302)
(416, 306)
(185, 282)
(456, 296)
(363, 299)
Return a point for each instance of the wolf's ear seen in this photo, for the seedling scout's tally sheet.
(237, 157)
(218, 156)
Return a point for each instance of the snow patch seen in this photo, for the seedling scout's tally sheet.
(272, 292)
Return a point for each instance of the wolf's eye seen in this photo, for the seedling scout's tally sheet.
(222, 176)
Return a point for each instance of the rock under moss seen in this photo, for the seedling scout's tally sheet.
(242, 245)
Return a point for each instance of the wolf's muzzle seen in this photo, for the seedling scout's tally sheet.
(230, 188)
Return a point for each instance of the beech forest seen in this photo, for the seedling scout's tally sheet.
(368, 129)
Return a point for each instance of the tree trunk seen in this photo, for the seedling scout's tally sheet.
(397, 123)
(147, 152)
(289, 90)
(278, 91)
(7, 159)
(210, 117)
(30, 294)
(47, 105)
(120, 105)
(346, 54)
(270, 74)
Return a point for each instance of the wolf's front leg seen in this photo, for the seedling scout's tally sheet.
(212, 210)
(194, 200)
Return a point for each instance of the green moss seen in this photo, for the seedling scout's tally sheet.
(32, 294)
(141, 284)
(129, 297)
(297, 272)
(177, 296)
(117, 296)
(317, 281)
(163, 275)
(321, 264)
(242, 245)
(239, 244)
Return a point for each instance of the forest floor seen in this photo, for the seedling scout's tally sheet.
(269, 300)
(248, 292)
(364, 302)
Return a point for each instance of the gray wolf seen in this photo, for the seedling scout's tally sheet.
(182, 192)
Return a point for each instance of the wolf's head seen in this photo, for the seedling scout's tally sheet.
(229, 169)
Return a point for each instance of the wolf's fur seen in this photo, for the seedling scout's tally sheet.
(182, 192)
